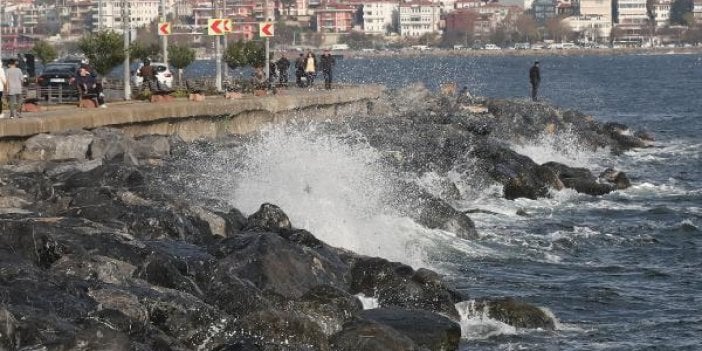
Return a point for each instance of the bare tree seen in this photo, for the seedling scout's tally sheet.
(527, 28)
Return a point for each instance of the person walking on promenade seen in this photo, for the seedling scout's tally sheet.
(14, 88)
(283, 66)
(87, 84)
(299, 70)
(3, 81)
(535, 79)
(310, 67)
(327, 64)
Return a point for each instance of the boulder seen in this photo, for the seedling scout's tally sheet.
(152, 147)
(520, 176)
(269, 217)
(427, 329)
(516, 313)
(276, 265)
(396, 284)
(285, 330)
(617, 178)
(328, 306)
(579, 179)
(98, 267)
(366, 335)
(70, 145)
(109, 143)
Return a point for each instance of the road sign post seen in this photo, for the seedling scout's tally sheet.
(265, 30)
(164, 28)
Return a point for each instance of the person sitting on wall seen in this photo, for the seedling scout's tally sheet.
(87, 84)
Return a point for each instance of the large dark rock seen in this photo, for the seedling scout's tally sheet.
(280, 330)
(516, 313)
(579, 179)
(366, 335)
(281, 266)
(427, 329)
(269, 217)
(396, 284)
(330, 307)
(519, 174)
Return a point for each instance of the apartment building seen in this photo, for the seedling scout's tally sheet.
(108, 14)
(595, 28)
(697, 10)
(631, 13)
(380, 17)
(418, 18)
(335, 18)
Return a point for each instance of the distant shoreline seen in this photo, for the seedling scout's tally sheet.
(355, 54)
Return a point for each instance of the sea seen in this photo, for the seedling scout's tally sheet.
(621, 271)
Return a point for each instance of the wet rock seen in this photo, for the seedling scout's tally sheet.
(396, 284)
(111, 144)
(625, 138)
(520, 176)
(427, 329)
(580, 179)
(277, 265)
(70, 145)
(328, 306)
(516, 313)
(286, 330)
(436, 213)
(366, 335)
(616, 178)
(269, 217)
(152, 147)
(234, 221)
(98, 267)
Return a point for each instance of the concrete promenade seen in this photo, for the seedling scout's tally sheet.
(214, 117)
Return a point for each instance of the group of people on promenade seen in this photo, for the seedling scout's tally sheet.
(306, 67)
(11, 83)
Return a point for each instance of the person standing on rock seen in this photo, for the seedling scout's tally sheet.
(535, 79)
(14, 78)
(327, 63)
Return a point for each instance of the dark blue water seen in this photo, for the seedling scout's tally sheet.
(623, 271)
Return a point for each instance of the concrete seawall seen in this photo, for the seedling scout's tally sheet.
(212, 118)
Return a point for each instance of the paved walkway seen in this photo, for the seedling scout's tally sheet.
(63, 117)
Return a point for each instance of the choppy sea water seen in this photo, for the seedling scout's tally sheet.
(619, 272)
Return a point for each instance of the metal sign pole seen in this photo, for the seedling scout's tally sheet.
(218, 52)
(164, 38)
(127, 29)
(2, 13)
(268, 59)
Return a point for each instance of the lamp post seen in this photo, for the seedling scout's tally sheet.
(126, 24)
(164, 38)
(2, 13)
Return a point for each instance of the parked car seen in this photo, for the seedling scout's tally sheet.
(163, 75)
(56, 80)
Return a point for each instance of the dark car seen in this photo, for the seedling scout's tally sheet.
(56, 81)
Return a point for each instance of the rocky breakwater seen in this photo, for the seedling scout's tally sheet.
(423, 132)
(93, 256)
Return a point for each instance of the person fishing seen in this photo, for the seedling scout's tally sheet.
(535, 79)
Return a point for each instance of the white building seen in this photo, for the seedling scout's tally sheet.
(662, 11)
(596, 8)
(418, 18)
(632, 12)
(594, 28)
(697, 10)
(107, 14)
(378, 16)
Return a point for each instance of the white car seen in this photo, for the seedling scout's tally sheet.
(492, 47)
(163, 75)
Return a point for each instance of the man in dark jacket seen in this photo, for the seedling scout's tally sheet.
(299, 70)
(535, 79)
(328, 62)
(283, 66)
